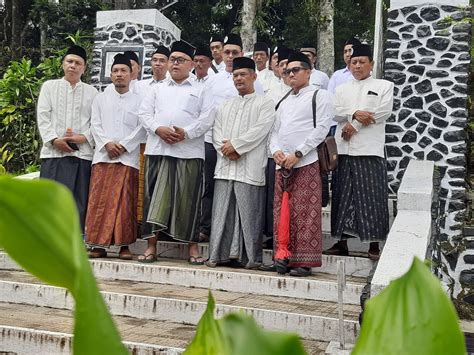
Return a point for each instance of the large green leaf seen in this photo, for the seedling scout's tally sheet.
(39, 229)
(239, 334)
(412, 316)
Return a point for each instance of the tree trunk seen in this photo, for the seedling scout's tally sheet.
(7, 29)
(326, 37)
(248, 32)
(122, 4)
(16, 26)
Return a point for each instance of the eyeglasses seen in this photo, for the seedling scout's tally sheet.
(179, 60)
(294, 70)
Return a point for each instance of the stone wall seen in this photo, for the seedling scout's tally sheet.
(126, 34)
(427, 57)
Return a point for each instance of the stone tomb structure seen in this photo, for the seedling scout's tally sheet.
(427, 58)
(121, 30)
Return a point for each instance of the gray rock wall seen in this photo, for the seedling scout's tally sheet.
(128, 34)
(427, 57)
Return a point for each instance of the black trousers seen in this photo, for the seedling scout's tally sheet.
(206, 201)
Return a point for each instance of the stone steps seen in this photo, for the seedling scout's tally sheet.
(312, 319)
(355, 265)
(319, 286)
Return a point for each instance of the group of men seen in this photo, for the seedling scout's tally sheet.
(225, 136)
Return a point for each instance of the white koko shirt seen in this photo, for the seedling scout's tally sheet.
(115, 119)
(186, 105)
(294, 129)
(373, 95)
(246, 121)
(319, 79)
(60, 106)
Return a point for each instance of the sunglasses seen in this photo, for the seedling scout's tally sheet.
(294, 70)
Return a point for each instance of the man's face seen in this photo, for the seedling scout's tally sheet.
(311, 57)
(216, 50)
(281, 67)
(347, 53)
(201, 65)
(159, 65)
(135, 69)
(260, 58)
(179, 66)
(274, 64)
(231, 51)
(121, 75)
(73, 67)
(244, 80)
(298, 76)
(361, 67)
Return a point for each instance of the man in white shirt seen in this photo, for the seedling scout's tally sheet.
(240, 135)
(261, 54)
(63, 115)
(136, 70)
(202, 63)
(342, 76)
(293, 143)
(318, 79)
(360, 193)
(176, 115)
(112, 208)
(221, 87)
(216, 45)
(159, 68)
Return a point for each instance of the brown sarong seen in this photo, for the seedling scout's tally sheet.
(304, 187)
(112, 209)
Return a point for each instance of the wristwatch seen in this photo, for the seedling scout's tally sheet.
(299, 154)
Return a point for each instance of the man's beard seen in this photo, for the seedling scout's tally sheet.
(120, 86)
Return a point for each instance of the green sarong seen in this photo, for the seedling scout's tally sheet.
(175, 206)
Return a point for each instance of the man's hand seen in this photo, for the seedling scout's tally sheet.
(364, 117)
(168, 134)
(227, 148)
(290, 161)
(76, 138)
(279, 158)
(348, 131)
(61, 145)
(180, 132)
(234, 156)
(114, 150)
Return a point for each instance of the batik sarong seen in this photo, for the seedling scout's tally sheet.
(112, 210)
(237, 223)
(304, 187)
(360, 199)
(176, 200)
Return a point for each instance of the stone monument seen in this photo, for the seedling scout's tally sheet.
(136, 30)
(427, 57)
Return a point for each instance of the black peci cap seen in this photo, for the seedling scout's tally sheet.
(299, 57)
(77, 50)
(243, 63)
(121, 59)
(132, 56)
(184, 47)
(233, 38)
(162, 50)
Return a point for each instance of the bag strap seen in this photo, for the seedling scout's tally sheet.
(283, 98)
(214, 69)
(314, 107)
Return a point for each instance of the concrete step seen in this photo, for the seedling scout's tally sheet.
(355, 265)
(319, 286)
(311, 319)
(40, 330)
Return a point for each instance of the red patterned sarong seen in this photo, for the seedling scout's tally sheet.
(112, 209)
(304, 187)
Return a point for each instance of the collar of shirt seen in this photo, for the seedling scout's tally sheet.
(345, 70)
(303, 90)
(364, 81)
(187, 81)
(117, 94)
(79, 83)
(248, 96)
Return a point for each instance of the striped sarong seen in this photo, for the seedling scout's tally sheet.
(237, 223)
(304, 187)
(112, 209)
(175, 204)
(360, 199)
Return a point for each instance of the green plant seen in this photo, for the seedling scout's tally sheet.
(39, 229)
(412, 316)
(239, 334)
